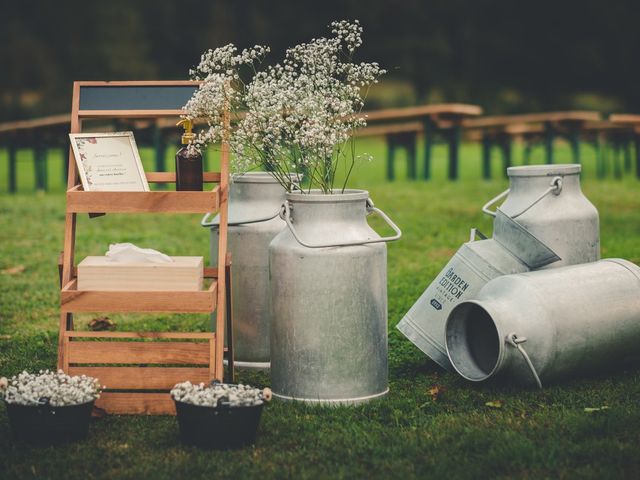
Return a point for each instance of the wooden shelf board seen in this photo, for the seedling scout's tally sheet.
(151, 335)
(79, 201)
(168, 353)
(136, 403)
(74, 300)
(143, 378)
(86, 114)
(170, 177)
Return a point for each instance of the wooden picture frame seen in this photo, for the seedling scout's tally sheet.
(109, 162)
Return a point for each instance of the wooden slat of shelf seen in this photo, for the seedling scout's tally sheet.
(73, 300)
(136, 83)
(142, 202)
(136, 403)
(85, 114)
(181, 353)
(155, 335)
(170, 177)
(143, 378)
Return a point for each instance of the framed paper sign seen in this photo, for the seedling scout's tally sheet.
(109, 162)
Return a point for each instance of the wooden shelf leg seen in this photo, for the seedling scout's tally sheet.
(229, 305)
(66, 320)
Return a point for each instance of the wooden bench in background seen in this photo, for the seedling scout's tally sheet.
(38, 134)
(401, 127)
(631, 123)
(532, 128)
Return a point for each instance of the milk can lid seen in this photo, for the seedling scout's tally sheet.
(544, 170)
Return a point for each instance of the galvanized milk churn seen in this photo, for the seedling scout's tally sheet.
(541, 326)
(472, 266)
(255, 199)
(548, 202)
(545, 222)
(329, 300)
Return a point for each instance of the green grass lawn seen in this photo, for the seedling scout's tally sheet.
(408, 434)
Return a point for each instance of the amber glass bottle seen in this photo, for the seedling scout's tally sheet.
(188, 162)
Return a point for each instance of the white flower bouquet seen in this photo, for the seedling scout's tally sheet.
(297, 116)
(220, 394)
(49, 388)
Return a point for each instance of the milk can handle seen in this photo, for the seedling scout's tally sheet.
(285, 214)
(207, 222)
(515, 341)
(555, 187)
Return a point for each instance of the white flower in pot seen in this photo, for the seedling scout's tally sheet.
(49, 407)
(218, 415)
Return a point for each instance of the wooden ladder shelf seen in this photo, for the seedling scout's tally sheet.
(139, 368)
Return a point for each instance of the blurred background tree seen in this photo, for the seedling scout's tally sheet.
(508, 56)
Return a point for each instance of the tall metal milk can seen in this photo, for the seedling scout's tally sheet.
(548, 202)
(545, 222)
(329, 300)
(255, 199)
(542, 326)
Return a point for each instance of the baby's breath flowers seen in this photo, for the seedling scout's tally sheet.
(302, 113)
(220, 394)
(297, 116)
(221, 73)
(46, 387)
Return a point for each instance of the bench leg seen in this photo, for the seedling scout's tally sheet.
(526, 154)
(574, 140)
(40, 167)
(549, 136)
(626, 141)
(454, 147)
(205, 159)
(486, 157)
(637, 145)
(65, 165)
(13, 172)
(617, 167)
(412, 168)
(160, 149)
(597, 148)
(428, 144)
(506, 154)
(391, 148)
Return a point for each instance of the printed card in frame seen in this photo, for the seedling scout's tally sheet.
(109, 162)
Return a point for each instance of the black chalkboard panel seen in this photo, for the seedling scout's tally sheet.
(135, 97)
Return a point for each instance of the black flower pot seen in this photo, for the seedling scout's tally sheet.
(219, 427)
(48, 425)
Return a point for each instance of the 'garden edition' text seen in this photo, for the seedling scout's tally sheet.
(453, 284)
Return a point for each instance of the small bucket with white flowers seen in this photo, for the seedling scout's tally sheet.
(49, 408)
(219, 415)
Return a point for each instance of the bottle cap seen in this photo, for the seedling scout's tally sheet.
(188, 136)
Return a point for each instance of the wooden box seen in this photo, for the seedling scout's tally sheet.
(101, 273)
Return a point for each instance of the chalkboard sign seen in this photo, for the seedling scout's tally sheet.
(135, 97)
